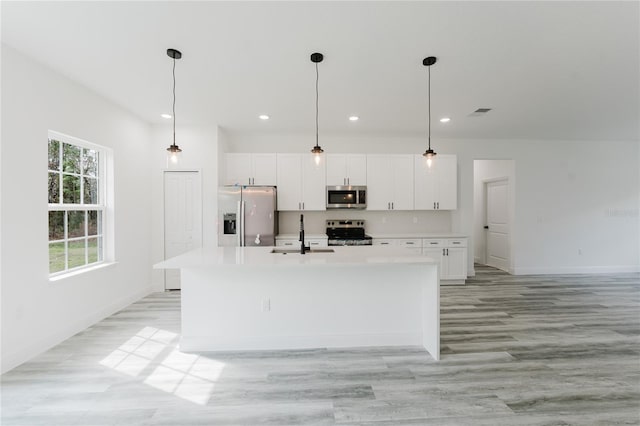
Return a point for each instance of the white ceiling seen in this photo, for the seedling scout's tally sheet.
(549, 70)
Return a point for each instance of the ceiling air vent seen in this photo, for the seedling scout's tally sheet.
(479, 112)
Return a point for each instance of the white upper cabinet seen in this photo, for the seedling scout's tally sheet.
(346, 169)
(250, 169)
(436, 187)
(390, 182)
(301, 183)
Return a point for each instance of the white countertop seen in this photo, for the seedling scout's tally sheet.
(422, 235)
(297, 236)
(260, 256)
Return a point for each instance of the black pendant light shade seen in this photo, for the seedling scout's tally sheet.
(174, 149)
(317, 150)
(429, 153)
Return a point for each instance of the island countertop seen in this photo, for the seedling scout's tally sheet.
(248, 256)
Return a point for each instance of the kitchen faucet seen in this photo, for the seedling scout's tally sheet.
(303, 249)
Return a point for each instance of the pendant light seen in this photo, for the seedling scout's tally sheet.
(429, 153)
(317, 150)
(174, 150)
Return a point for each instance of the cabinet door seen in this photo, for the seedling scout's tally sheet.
(456, 260)
(403, 179)
(379, 182)
(289, 181)
(314, 189)
(447, 183)
(237, 169)
(264, 169)
(336, 169)
(425, 184)
(356, 169)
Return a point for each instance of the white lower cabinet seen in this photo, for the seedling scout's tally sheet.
(452, 254)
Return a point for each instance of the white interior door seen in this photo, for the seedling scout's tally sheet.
(182, 219)
(497, 224)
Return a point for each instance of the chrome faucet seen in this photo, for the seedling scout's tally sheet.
(303, 249)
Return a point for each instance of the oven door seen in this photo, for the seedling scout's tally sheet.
(346, 197)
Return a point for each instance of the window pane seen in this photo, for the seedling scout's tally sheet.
(90, 162)
(56, 226)
(54, 155)
(90, 190)
(71, 189)
(54, 187)
(95, 222)
(71, 158)
(76, 254)
(56, 257)
(94, 255)
(75, 224)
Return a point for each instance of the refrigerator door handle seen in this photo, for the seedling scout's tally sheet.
(238, 224)
(242, 244)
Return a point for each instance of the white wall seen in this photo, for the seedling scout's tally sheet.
(570, 195)
(482, 171)
(200, 148)
(37, 313)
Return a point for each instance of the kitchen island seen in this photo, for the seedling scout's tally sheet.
(249, 298)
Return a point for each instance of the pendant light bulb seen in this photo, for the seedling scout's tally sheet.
(317, 150)
(174, 150)
(429, 154)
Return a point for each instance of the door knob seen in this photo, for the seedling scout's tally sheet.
(486, 227)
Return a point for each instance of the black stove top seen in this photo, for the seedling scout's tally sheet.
(347, 232)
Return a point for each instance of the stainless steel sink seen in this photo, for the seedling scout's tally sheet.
(292, 251)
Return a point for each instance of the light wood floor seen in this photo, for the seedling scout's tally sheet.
(527, 350)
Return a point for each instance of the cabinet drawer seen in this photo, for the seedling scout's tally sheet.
(433, 243)
(384, 242)
(458, 242)
(317, 242)
(287, 243)
(409, 242)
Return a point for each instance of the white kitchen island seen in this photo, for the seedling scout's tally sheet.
(248, 298)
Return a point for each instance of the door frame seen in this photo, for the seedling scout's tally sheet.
(485, 241)
(164, 174)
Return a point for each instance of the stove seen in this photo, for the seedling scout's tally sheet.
(347, 232)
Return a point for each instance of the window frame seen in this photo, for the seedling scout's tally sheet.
(102, 236)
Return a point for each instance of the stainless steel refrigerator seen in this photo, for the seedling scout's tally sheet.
(247, 216)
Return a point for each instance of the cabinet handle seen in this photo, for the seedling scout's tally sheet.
(384, 244)
(344, 181)
(392, 207)
(299, 206)
(409, 242)
(447, 252)
(388, 206)
(438, 203)
(456, 242)
(288, 244)
(348, 181)
(434, 205)
(433, 243)
(443, 252)
(303, 205)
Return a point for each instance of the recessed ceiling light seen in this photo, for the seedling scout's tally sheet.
(263, 117)
(354, 118)
(165, 115)
(445, 120)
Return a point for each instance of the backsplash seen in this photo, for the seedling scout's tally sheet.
(377, 222)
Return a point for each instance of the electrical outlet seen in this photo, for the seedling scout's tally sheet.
(266, 305)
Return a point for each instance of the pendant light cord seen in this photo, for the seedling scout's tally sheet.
(429, 97)
(317, 78)
(174, 101)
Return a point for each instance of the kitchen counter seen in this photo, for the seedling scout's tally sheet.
(262, 256)
(247, 298)
(420, 235)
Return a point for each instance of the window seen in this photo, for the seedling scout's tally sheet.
(76, 203)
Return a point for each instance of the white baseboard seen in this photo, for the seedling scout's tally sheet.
(223, 343)
(14, 359)
(575, 270)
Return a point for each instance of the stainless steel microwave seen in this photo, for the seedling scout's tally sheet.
(346, 197)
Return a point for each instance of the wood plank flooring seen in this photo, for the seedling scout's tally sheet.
(526, 350)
